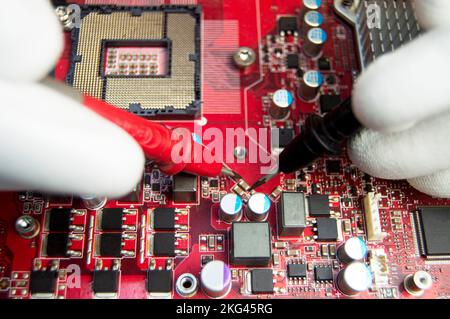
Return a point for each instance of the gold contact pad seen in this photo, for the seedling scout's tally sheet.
(177, 91)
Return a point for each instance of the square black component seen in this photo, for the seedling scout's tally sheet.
(105, 281)
(327, 229)
(156, 187)
(184, 188)
(296, 270)
(59, 219)
(214, 183)
(159, 281)
(324, 64)
(319, 205)
(434, 227)
(323, 273)
(250, 244)
(112, 219)
(110, 245)
(328, 102)
(292, 61)
(43, 282)
(164, 245)
(262, 281)
(333, 167)
(164, 219)
(287, 24)
(57, 245)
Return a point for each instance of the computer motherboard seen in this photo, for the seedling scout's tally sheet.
(328, 231)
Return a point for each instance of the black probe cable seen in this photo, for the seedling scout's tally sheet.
(319, 136)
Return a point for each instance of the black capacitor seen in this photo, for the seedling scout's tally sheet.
(319, 136)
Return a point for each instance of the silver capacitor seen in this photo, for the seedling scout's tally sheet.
(258, 207)
(310, 85)
(230, 209)
(312, 19)
(354, 279)
(280, 107)
(354, 249)
(215, 279)
(314, 41)
(27, 227)
(92, 202)
(309, 5)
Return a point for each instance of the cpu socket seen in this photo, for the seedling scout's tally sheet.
(142, 59)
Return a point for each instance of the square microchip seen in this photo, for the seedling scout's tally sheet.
(145, 60)
(292, 61)
(57, 245)
(250, 244)
(112, 219)
(296, 270)
(287, 24)
(43, 283)
(323, 273)
(159, 281)
(333, 167)
(324, 64)
(59, 219)
(262, 281)
(164, 245)
(106, 282)
(283, 136)
(328, 102)
(184, 188)
(164, 219)
(433, 227)
(110, 245)
(327, 229)
(319, 205)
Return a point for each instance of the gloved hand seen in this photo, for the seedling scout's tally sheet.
(404, 100)
(49, 142)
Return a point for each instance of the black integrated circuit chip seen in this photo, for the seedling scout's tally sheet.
(43, 282)
(433, 227)
(164, 219)
(323, 273)
(110, 245)
(324, 64)
(159, 281)
(296, 270)
(262, 281)
(105, 282)
(184, 188)
(292, 61)
(328, 102)
(333, 167)
(319, 205)
(112, 219)
(59, 219)
(57, 244)
(327, 229)
(287, 24)
(164, 245)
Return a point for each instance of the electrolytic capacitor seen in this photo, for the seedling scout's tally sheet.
(354, 249)
(280, 107)
(354, 279)
(215, 279)
(310, 85)
(314, 41)
(230, 208)
(312, 19)
(93, 203)
(309, 5)
(258, 207)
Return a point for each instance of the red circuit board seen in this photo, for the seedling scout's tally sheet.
(237, 99)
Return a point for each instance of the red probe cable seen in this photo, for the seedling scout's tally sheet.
(157, 142)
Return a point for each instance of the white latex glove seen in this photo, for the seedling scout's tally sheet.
(404, 99)
(49, 142)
